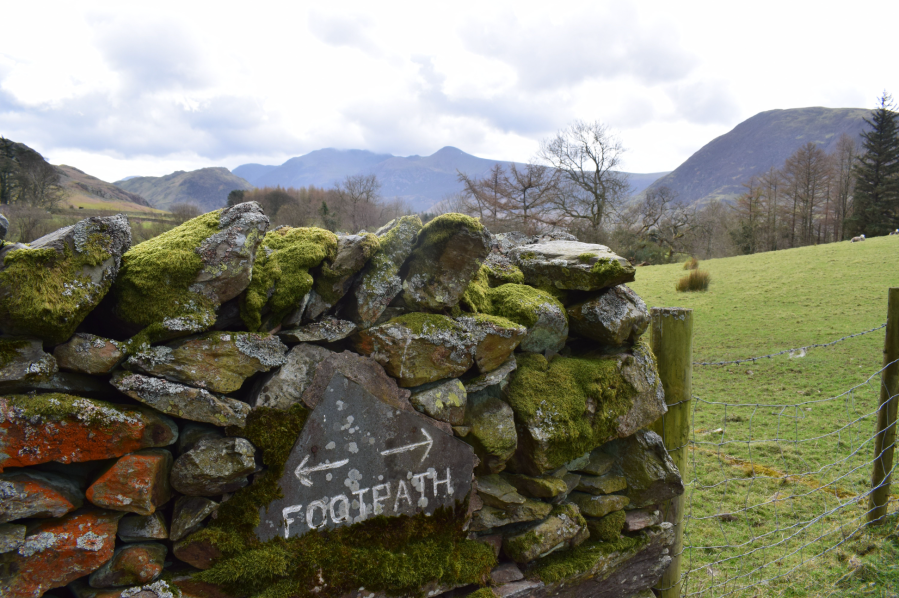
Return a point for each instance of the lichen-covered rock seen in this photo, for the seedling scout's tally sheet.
(68, 429)
(447, 255)
(379, 283)
(216, 361)
(189, 513)
(281, 277)
(23, 360)
(194, 432)
(50, 285)
(652, 477)
(444, 401)
(547, 486)
(498, 377)
(571, 405)
(181, 400)
(337, 275)
(364, 371)
(538, 311)
(608, 528)
(490, 517)
(571, 482)
(598, 506)
(12, 535)
(328, 330)
(418, 348)
(617, 316)
(495, 339)
(88, 354)
(29, 493)
(497, 492)
(639, 519)
(285, 386)
(214, 467)
(157, 589)
(142, 528)
(604, 484)
(505, 573)
(59, 551)
(129, 565)
(595, 463)
(136, 483)
(571, 265)
(172, 284)
(564, 528)
(492, 431)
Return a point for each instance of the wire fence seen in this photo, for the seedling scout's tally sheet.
(776, 490)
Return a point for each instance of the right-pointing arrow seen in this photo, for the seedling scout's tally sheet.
(410, 447)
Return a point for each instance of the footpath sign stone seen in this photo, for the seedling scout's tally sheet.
(358, 457)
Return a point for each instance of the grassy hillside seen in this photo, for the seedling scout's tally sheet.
(206, 188)
(753, 500)
(718, 169)
(87, 192)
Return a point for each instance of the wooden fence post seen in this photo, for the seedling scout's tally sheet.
(672, 343)
(885, 439)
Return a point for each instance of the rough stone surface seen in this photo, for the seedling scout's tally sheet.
(50, 285)
(598, 506)
(605, 484)
(12, 535)
(571, 482)
(495, 339)
(547, 486)
(571, 265)
(517, 589)
(89, 354)
(417, 350)
(285, 386)
(129, 565)
(24, 360)
(142, 528)
(496, 492)
(199, 554)
(328, 330)
(640, 519)
(444, 401)
(59, 551)
(492, 433)
(157, 589)
(70, 429)
(186, 402)
(595, 463)
(564, 528)
(213, 467)
(449, 251)
(499, 376)
(189, 513)
(491, 517)
(506, 573)
(216, 361)
(136, 483)
(4, 227)
(337, 275)
(29, 493)
(652, 477)
(359, 457)
(617, 316)
(193, 432)
(379, 281)
(608, 528)
(364, 371)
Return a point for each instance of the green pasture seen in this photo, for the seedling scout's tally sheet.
(778, 464)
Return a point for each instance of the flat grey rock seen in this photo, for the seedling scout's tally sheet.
(214, 467)
(142, 528)
(617, 316)
(328, 330)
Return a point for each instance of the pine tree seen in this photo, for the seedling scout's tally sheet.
(875, 208)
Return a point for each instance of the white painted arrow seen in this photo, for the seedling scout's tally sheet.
(410, 447)
(302, 471)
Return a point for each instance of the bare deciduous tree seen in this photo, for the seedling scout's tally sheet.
(360, 195)
(38, 182)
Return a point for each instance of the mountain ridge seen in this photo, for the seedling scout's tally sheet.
(206, 188)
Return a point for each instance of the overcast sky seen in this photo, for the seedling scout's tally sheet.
(147, 88)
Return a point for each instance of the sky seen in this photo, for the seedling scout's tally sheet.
(138, 88)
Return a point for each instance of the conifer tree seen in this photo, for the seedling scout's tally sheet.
(876, 201)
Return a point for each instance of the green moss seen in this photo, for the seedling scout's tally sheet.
(482, 593)
(503, 273)
(579, 560)
(608, 528)
(439, 230)
(10, 349)
(495, 320)
(571, 403)
(585, 258)
(608, 268)
(60, 407)
(52, 292)
(520, 303)
(330, 275)
(423, 323)
(521, 544)
(281, 272)
(476, 297)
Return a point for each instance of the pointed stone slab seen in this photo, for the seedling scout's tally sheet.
(358, 457)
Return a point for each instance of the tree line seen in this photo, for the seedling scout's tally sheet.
(26, 179)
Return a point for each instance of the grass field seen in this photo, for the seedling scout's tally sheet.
(775, 486)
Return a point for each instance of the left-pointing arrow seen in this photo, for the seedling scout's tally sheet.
(302, 472)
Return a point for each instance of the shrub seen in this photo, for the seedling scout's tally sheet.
(696, 280)
(691, 264)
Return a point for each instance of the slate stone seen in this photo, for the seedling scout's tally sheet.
(596, 462)
(505, 573)
(444, 401)
(194, 432)
(517, 589)
(491, 517)
(617, 316)
(571, 265)
(495, 339)
(89, 354)
(652, 477)
(157, 589)
(12, 535)
(180, 400)
(129, 565)
(214, 466)
(605, 484)
(357, 457)
(537, 487)
(564, 528)
(497, 492)
(188, 515)
(283, 387)
(608, 528)
(598, 506)
(62, 382)
(571, 482)
(639, 519)
(23, 360)
(136, 483)
(141, 528)
(328, 330)
(336, 276)
(492, 433)
(30, 493)
(364, 371)
(499, 376)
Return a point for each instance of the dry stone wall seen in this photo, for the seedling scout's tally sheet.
(228, 411)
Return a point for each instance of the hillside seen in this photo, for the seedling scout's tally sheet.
(206, 188)
(420, 180)
(767, 139)
(90, 193)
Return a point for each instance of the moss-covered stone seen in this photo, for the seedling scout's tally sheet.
(495, 339)
(444, 401)
(353, 252)
(492, 517)
(608, 528)
(281, 275)
(585, 559)
(571, 265)
(547, 486)
(615, 317)
(564, 528)
(476, 297)
(48, 287)
(598, 506)
(604, 484)
(495, 491)
(542, 315)
(492, 431)
(23, 360)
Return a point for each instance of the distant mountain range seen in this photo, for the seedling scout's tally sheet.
(206, 188)
(720, 167)
(421, 181)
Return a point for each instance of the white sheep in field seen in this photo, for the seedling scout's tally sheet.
(895, 232)
(857, 239)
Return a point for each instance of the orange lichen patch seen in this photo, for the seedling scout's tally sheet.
(138, 483)
(68, 429)
(60, 551)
